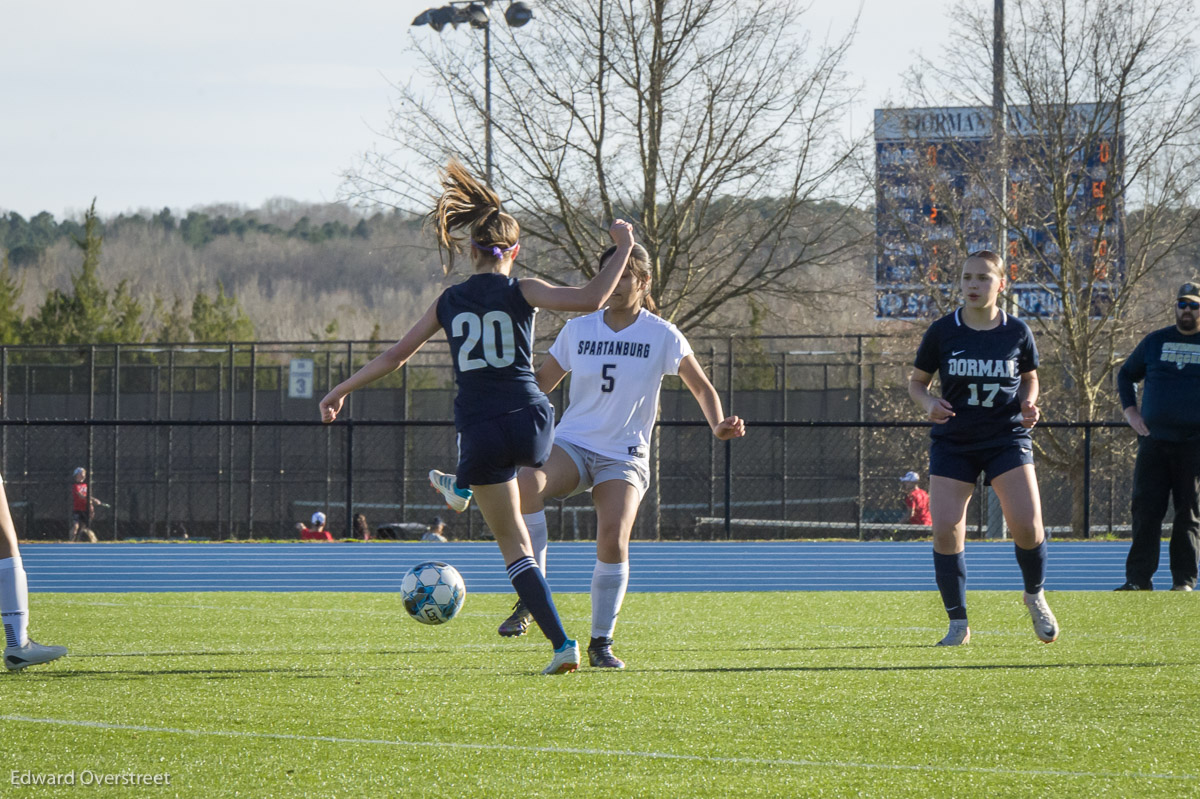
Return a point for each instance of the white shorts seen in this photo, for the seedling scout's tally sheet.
(596, 468)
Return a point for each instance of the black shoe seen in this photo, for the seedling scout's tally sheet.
(517, 623)
(1136, 587)
(600, 655)
(1181, 587)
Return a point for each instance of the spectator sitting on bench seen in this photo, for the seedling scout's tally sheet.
(317, 532)
(437, 530)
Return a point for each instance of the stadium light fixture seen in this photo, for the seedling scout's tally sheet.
(477, 14)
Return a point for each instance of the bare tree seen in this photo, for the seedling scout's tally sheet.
(1104, 105)
(713, 124)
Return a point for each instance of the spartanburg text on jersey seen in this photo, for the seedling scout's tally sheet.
(616, 376)
(980, 372)
(490, 329)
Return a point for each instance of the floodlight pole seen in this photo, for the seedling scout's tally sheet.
(996, 526)
(487, 98)
(999, 122)
(457, 12)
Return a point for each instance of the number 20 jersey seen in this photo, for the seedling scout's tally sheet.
(616, 376)
(980, 375)
(490, 329)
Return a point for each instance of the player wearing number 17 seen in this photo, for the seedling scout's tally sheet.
(503, 419)
(981, 423)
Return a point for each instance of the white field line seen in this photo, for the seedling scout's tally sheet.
(398, 611)
(616, 753)
(579, 619)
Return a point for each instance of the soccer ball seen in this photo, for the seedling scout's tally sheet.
(433, 592)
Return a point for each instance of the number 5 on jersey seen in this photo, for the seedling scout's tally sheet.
(494, 331)
(609, 380)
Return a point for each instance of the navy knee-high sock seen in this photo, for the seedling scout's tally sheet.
(534, 591)
(1033, 566)
(950, 571)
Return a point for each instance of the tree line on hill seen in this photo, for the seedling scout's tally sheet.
(285, 271)
(288, 271)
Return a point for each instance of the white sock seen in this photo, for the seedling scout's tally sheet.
(14, 601)
(539, 533)
(609, 581)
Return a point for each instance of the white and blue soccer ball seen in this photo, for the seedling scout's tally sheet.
(433, 592)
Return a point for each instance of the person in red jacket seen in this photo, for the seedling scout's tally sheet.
(916, 500)
(317, 532)
(81, 507)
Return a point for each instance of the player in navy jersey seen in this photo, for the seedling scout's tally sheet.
(617, 359)
(987, 361)
(503, 420)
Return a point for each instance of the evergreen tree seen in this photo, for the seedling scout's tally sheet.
(11, 323)
(88, 315)
(219, 318)
(172, 325)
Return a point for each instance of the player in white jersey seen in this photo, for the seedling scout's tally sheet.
(617, 358)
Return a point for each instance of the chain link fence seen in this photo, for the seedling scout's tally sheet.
(223, 442)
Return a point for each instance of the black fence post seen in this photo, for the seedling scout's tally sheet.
(729, 453)
(91, 431)
(116, 441)
(1087, 481)
(783, 413)
(858, 517)
(405, 409)
(170, 433)
(250, 443)
(232, 437)
(349, 477)
(712, 444)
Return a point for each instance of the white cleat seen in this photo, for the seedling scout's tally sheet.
(454, 496)
(1044, 623)
(566, 659)
(33, 653)
(959, 634)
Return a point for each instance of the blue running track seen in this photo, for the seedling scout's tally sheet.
(655, 566)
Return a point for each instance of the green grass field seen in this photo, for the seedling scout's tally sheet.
(758, 694)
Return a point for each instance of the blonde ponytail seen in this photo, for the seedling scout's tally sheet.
(467, 202)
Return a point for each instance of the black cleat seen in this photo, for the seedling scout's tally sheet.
(1136, 587)
(517, 623)
(600, 655)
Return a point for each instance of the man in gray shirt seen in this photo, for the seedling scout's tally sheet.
(1168, 458)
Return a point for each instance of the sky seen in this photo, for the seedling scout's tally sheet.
(145, 105)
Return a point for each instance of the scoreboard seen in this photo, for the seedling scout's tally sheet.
(936, 199)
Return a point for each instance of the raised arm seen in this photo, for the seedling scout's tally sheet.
(591, 297)
(697, 382)
(383, 364)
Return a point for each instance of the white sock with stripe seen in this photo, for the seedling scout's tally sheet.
(609, 581)
(539, 535)
(14, 601)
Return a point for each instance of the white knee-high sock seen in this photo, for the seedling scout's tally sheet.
(609, 581)
(14, 601)
(539, 534)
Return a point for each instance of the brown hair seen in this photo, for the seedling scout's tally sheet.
(638, 266)
(466, 201)
(994, 261)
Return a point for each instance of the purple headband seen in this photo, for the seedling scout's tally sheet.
(493, 248)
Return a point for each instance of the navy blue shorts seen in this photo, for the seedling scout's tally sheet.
(947, 460)
(491, 451)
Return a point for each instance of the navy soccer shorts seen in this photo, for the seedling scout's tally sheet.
(947, 460)
(491, 451)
